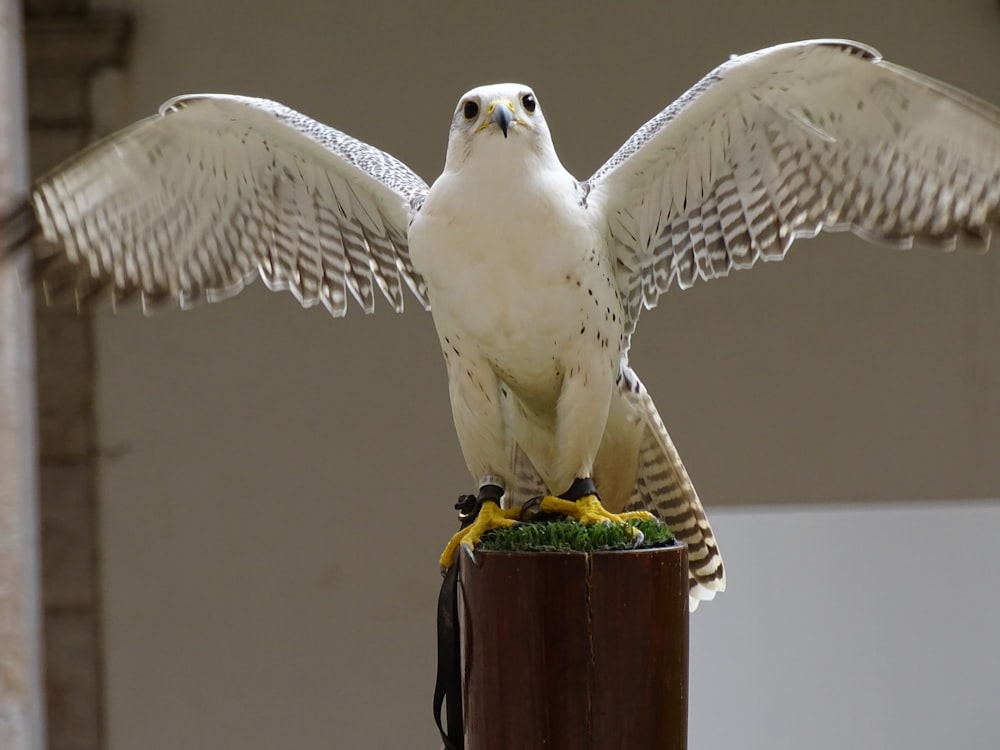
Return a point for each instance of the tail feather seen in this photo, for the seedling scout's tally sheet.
(664, 488)
(527, 482)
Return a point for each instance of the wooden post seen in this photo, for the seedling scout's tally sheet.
(574, 651)
(21, 711)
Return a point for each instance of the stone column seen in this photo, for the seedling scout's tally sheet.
(22, 725)
(65, 47)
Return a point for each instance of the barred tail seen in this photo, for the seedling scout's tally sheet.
(663, 487)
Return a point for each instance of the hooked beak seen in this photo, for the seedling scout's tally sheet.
(501, 114)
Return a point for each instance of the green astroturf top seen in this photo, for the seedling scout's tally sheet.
(572, 536)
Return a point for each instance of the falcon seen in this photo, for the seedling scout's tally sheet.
(535, 279)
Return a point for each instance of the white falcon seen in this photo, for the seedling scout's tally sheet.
(535, 279)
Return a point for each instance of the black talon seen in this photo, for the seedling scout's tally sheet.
(531, 506)
(470, 553)
(532, 511)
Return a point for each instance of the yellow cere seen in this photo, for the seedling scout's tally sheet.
(488, 119)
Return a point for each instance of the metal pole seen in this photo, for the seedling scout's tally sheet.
(22, 725)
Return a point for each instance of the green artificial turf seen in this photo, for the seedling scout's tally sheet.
(572, 536)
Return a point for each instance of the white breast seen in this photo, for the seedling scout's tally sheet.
(514, 267)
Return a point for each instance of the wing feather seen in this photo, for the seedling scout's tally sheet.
(196, 202)
(787, 142)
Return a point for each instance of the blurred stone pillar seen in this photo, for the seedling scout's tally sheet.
(22, 724)
(65, 47)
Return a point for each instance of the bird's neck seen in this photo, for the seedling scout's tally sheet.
(506, 163)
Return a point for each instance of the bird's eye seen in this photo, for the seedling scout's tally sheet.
(470, 109)
(529, 103)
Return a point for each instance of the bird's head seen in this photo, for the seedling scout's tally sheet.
(502, 118)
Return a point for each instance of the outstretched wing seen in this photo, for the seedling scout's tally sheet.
(195, 202)
(786, 142)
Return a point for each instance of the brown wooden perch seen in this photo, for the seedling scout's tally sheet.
(576, 651)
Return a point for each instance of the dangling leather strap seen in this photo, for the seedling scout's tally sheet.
(448, 685)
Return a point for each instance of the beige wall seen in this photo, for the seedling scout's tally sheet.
(277, 484)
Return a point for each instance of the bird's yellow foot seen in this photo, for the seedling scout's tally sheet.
(588, 510)
(491, 516)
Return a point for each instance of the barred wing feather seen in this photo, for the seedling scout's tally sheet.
(784, 143)
(195, 202)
